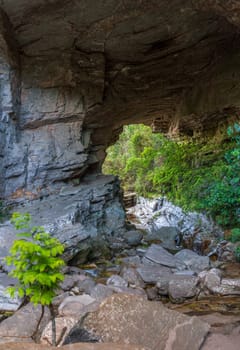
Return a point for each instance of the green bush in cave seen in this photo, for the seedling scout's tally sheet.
(37, 264)
(201, 175)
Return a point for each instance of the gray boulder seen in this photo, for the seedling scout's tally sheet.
(133, 237)
(84, 217)
(117, 281)
(132, 261)
(161, 256)
(192, 260)
(134, 320)
(24, 324)
(165, 235)
(132, 277)
(151, 274)
(178, 287)
(100, 292)
(74, 305)
(182, 287)
(211, 280)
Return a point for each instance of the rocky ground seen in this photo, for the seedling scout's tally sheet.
(145, 295)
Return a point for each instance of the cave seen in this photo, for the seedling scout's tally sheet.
(73, 73)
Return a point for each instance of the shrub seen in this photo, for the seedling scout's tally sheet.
(37, 264)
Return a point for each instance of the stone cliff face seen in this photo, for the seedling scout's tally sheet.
(74, 72)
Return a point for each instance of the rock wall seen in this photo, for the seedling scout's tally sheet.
(88, 219)
(72, 73)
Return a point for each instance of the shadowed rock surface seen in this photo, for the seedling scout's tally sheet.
(87, 68)
(74, 72)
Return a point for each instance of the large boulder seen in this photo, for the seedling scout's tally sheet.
(86, 218)
(165, 235)
(178, 287)
(161, 256)
(192, 260)
(24, 325)
(130, 319)
(169, 224)
(151, 274)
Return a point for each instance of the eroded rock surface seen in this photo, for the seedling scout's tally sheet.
(83, 346)
(23, 325)
(130, 319)
(86, 70)
(88, 219)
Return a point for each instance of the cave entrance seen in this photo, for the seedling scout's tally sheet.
(196, 174)
(133, 158)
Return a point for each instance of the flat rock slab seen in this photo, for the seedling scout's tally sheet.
(78, 346)
(22, 325)
(193, 261)
(134, 320)
(152, 274)
(161, 256)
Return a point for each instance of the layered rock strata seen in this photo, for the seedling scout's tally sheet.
(74, 72)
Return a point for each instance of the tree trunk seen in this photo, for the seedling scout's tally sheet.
(53, 325)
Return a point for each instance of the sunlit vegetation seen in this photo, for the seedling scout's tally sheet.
(194, 174)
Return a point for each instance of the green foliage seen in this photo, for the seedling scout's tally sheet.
(235, 235)
(237, 253)
(196, 175)
(36, 261)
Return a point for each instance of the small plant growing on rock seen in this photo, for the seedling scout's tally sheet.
(37, 265)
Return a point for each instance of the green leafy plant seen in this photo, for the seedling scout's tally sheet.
(201, 175)
(37, 264)
(237, 253)
(235, 235)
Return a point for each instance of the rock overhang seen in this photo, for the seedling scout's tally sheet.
(77, 71)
